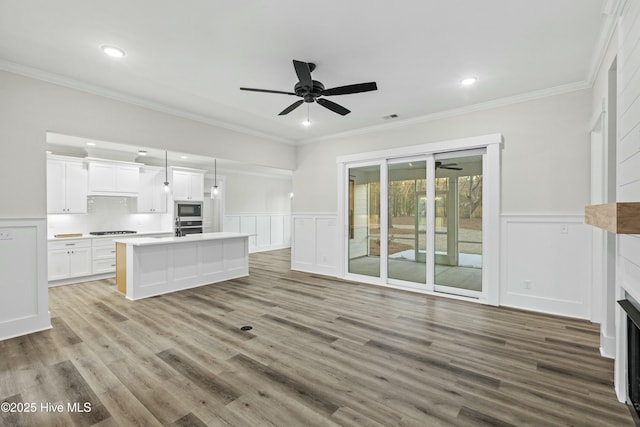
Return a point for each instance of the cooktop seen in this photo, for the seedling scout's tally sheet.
(106, 233)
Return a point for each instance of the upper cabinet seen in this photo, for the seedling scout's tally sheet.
(188, 184)
(108, 178)
(152, 198)
(66, 185)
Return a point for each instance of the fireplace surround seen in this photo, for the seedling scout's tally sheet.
(633, 353)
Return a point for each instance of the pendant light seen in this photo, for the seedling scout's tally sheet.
(214, 189)
(166, 174)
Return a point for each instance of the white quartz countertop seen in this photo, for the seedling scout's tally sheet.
(146, 241)
(105, 236)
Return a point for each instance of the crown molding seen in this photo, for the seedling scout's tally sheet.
(502, 102)
(59, 80)
(612, 9)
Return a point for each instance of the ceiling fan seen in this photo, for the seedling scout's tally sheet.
(452, 166)
(312, 90)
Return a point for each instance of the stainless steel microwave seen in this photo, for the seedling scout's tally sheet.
(189, 210)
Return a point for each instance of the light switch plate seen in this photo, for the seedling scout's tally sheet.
(6, 234)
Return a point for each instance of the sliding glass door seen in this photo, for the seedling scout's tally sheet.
(418, 222)
(458, 224)
(407, 219)
(364, 220)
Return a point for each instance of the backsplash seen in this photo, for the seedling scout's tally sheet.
(108, 213)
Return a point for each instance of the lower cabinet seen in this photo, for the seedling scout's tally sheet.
(104, 256)
(71, 258)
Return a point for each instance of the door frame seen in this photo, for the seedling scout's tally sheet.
(490, 205)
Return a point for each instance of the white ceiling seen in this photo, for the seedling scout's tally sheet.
(192, 56)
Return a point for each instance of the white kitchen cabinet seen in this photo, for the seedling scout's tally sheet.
(66, 185)
(103, 251)
(152, 198)
(188, 185)
(69, 258)
(108, 178)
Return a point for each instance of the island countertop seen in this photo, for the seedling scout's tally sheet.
(199, 237)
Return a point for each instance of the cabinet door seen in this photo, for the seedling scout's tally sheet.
(158, 194)
(76, 188)
(102, 177)
(127, 179)
(197, 187)
(181, 185)
(80, 262)
(145, 195)
(58, 261)
(152, 197)
(56, 187)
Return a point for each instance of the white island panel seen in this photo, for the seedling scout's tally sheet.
(150, 266)
(212, 260)
(185, 265)
(235, 254)
(163, 265)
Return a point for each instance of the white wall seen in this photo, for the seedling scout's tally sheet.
(545, 175)
(257, 193)
(29, 108)
(260, 205)
(628, 174)
(545, 161)
(23, 277)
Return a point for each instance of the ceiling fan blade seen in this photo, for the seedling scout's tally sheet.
(333, 106)
(451, 168)
(266, 90)
(304, 73)
(356, 88)
(291, 107)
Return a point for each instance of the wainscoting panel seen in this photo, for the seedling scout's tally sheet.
(268, 231)
(314, 244)
(545, 264)
(23, 277)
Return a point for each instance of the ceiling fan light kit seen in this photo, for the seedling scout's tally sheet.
(313, 91)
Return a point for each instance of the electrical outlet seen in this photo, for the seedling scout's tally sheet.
(6, 234)
(527, 284)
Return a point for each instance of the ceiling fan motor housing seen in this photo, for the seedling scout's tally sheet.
(309, 94)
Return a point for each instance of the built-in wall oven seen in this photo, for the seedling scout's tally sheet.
(188, 218)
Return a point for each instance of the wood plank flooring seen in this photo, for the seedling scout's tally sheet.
(322, 352)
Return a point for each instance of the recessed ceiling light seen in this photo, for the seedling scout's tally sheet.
(91, 144)
(306, 123)
(184, 157)
(142, 153)
(114, 52)
(468, 81)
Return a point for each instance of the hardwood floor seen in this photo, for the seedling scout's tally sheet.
(322, 352)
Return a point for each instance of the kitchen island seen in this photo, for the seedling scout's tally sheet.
(148, 266)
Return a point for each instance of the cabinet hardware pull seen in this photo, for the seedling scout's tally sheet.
(69, 244)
